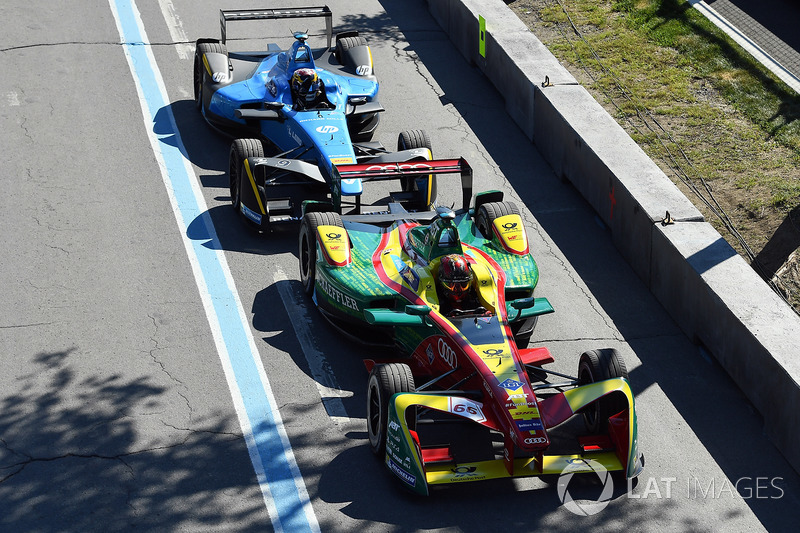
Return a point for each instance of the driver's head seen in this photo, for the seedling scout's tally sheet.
(455, 277)
(305, 84)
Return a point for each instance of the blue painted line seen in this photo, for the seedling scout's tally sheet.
(274, 465)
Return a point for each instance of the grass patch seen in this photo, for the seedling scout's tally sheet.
(738, 124)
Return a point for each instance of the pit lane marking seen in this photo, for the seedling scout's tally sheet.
(279, 478)
(329, 390)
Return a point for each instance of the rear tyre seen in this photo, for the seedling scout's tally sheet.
(200, 49)
(241, 149)
(487, 213)
(384, 381)
(408, 140)
(308, 245)
(599, 365)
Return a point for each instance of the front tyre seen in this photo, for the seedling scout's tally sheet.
(384, 381)
(308, 245)
(202, 48)
(241, 149)
(599, 365)
(487, 213)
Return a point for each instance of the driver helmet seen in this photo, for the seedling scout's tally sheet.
(455, 277)
(305, 84)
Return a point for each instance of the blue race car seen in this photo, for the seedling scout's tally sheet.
(296, 113)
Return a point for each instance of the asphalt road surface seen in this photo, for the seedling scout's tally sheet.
(162, 370)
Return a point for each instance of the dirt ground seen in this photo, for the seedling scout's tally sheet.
(740, 168)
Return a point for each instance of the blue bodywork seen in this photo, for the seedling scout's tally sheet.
(324, 132)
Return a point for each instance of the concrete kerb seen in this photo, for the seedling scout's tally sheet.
(711, 292)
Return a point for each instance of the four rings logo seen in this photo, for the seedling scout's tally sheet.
(327, 129)
(393, 166)
(447, 353)
(535, 440)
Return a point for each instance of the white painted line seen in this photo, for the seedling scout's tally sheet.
(329, 389)
(175, 27)
(745, 42)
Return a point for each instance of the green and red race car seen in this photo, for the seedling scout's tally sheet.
(374, 276)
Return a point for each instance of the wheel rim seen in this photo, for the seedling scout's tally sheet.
(234, 185)
(198, 82)
(305, 258)
(374, 416)
(591, 414)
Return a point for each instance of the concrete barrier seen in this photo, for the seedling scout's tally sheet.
(708, 289)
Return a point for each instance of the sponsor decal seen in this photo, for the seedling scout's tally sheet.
(492, 352)
(402, 474)
(522, 411)
(394, 426)
(465, 473)
(447, 353)
(406, 272)
(530, 403)
(249, 213)
(364, 70)
(511, 384)
(326, 129)
(529, 425)
(535, 440)
(467, 409)
(335, 294)
(342, 161)
(431, 355)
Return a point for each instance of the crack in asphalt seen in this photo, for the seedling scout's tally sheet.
(164, 368)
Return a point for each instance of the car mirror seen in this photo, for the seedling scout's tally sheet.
(273, 105)
(418, 310)
(523, 303)
(359, 100)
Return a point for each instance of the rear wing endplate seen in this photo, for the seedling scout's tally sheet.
(387, 171)
(280, 13)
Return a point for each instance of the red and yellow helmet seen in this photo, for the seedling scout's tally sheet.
(455, 277)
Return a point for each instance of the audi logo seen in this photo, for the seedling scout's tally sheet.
(393, 166)
(535, 440)
(447, 353)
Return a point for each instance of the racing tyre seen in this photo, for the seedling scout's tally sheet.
(308, 244)
(523, 331)
(599, 365)
(201, 48)
(346, 43)
(408, 140)
(487, 213)
(384, 381)
(241, 149)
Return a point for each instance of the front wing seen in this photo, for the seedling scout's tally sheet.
(419, 467)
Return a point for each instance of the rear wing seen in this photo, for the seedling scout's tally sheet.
(280, 13)
(389, 171)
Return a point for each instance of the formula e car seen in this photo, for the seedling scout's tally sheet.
(374, 277)
(306, 109)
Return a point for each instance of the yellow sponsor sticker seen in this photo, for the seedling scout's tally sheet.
(512, 233)
(341, 160)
